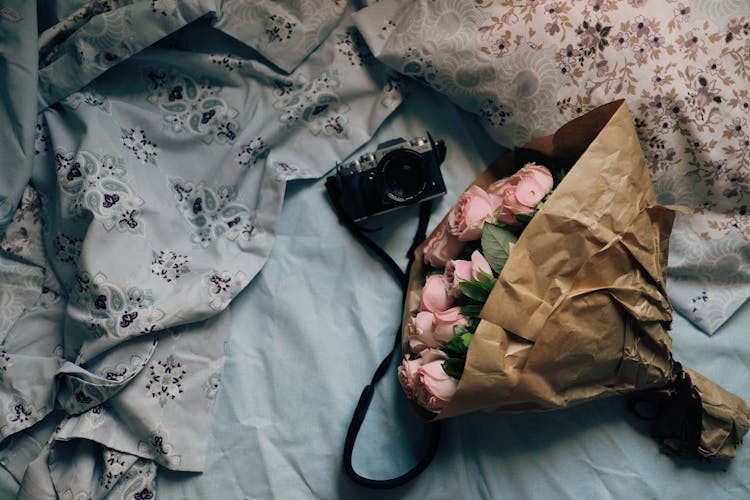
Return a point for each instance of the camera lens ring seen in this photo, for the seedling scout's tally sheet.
(403, 175)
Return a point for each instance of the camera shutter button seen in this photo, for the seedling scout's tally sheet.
(354, 167)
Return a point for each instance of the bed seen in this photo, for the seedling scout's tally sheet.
(265, 365)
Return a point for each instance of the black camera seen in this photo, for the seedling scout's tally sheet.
(397, 174)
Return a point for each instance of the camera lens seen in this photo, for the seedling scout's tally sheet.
(403, 175)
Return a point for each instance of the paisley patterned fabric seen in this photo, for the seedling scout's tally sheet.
(147, 157)
(527, 66)
(285, 32)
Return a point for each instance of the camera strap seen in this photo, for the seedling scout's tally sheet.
(366, 397)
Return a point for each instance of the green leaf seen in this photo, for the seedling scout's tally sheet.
(472, 325)
(560, 174)
(472, 310)
(496, 245)
(487, 277)
(475, 290)
(466, 339)
(455, 346)
(524, 218)
(463, 300)
(488, 285)
(454, 367)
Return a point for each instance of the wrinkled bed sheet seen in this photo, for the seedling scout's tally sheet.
(527, 67)
(149, 144)
(309, 330)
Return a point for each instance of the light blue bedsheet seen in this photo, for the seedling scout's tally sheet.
(157, 159)
(308, 332)
(306, 335)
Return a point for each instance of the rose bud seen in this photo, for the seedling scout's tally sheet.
(480, 268)
(457, 271)
(539, 174)
(441, 246)
(435, 296)
(520, 193)
(529, 192)
(445, 322)
(422, 332)
(467, 217)
(407, 372)
(435, 388)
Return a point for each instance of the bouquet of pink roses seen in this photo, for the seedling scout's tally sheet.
(481, 227)
(537, 292)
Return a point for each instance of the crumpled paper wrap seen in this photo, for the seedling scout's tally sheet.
(580, 310)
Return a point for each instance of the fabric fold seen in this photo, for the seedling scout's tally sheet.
(161, 152)
(18, 84)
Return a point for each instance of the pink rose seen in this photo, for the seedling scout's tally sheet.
(408, 371)
(432, 330)
(422, 332)
(497, 189)
(520, 193)
(435, 388)
(441, 246)
(444, 323)
(503, 193)
(541, 175)
(435, 296)
(466, 218)
(529, 192)
(457, 271)
(480, 268)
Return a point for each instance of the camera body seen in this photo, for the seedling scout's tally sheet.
(398, 173)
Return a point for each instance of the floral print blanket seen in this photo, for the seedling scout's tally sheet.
(146, 149)
(527, 66)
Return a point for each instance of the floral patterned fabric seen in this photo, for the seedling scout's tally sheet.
(285, 32)
(527, 66)
(141, 188)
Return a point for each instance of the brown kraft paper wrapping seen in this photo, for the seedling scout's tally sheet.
(580, 309)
